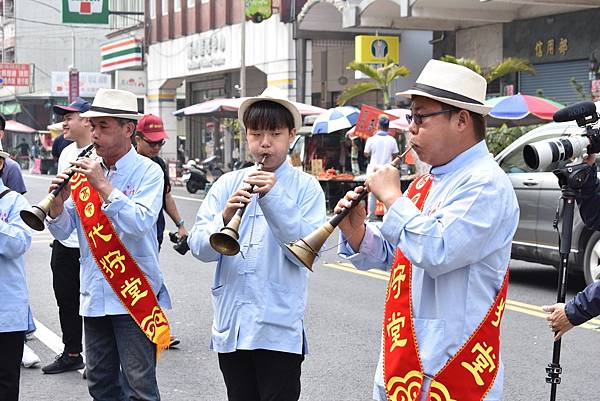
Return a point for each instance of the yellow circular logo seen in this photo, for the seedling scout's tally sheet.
(89, 210)
(84, 195)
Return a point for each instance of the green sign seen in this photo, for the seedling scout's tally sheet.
(257, 10)
(85, 11)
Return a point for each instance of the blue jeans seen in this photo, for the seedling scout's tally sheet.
(120, 360)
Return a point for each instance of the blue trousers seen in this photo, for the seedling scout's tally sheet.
(120, 360)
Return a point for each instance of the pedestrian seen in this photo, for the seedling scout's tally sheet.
(381, 148)
(450, 250)
(150, 138)
(115, 200)
(59, 143)
(15, 314)
(64, 261)
(259, 295)
(586, 304)
(11, 171)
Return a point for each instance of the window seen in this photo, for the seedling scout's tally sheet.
(176, 5)
(514, 162)
(191, 3)
(152, 9)
(164, 5)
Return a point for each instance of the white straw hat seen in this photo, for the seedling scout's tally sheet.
(272, 94)
(114, 103)
(452, 84)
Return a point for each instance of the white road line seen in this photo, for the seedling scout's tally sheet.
(186, 198)
(50, 339)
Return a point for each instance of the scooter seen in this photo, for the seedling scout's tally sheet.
(196, 175)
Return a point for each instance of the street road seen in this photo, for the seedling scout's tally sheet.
(343, 322)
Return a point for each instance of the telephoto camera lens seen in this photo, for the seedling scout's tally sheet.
(539, 155)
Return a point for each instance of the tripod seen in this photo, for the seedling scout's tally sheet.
(570, 179)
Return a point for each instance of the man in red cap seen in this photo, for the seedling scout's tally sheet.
(149, 139)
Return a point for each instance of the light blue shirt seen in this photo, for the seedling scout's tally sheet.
(133, 208)
(460, 248)
(15, 240)
(259, 295)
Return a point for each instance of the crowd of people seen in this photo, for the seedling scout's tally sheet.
(446, 242)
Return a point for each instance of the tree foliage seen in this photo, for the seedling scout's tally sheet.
(381, 77)
(495, 71)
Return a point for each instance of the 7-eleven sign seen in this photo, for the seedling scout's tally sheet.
(85, 11)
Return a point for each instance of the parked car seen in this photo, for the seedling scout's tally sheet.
(539, 195)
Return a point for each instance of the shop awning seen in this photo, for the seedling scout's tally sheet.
(14, 126)
(228, 108)
(10, 108)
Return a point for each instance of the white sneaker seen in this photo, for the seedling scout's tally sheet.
(30, 358)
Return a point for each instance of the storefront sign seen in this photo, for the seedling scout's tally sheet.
(121, 54)
(132, 81)
(595, 90)
(207, 51)
(89, 83)
(73, 84)
(15, 74)
(376, 49)
(257, 10)
(85, 11)
(551, 47)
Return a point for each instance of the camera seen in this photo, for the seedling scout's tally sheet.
(539, 155)
(181, 244)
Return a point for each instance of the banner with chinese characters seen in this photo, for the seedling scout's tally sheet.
(117, 265)
(366, 125)
(15, 74)
(470, 373)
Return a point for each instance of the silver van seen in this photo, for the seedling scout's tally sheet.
(539, 194)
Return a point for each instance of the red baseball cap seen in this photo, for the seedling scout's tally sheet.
(151, 127)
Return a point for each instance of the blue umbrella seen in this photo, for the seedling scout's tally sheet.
(335, 119)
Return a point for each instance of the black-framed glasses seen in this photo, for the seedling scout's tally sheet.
(156, 143)
(418, 118)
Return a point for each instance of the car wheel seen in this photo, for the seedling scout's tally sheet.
(191, 187)
(591, 260)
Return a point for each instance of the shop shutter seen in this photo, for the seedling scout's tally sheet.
(554, 79)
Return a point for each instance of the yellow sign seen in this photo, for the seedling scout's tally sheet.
(376, 49)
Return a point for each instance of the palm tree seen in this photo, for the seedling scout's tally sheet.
(381, 78)
(495, 71)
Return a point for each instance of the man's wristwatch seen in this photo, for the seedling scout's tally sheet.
(179, 223)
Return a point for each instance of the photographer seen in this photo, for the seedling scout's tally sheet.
(586, 304)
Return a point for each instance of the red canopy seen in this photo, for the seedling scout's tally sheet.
(14, 126)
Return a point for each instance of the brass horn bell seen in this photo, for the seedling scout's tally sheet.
(226, 241)
(35, 216)
(306, 249)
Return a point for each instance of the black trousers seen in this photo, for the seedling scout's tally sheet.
(261, 375)
(11, 344)
(65, 280)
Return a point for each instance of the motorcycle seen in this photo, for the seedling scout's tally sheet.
(196, 175)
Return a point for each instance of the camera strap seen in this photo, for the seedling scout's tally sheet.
(4, 193)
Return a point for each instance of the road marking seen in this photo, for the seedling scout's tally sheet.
(515, 306)
(187, 198)
(50, 339)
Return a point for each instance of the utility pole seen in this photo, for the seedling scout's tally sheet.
(243, 75)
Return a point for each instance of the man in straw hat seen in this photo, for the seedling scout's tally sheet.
(448, 244)
(114, 204)
(16, 319)
(259, 295)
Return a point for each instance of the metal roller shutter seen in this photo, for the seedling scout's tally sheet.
(555, 81)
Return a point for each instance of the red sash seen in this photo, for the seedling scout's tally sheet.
(117, 265)
(470, 373)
